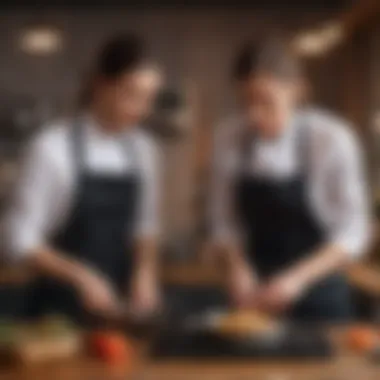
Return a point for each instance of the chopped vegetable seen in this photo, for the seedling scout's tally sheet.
(7, 332)
(54, 325)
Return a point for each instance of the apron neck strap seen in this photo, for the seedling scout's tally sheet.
(246, 142)
(78, 143)
(248, 138)
(303, 147)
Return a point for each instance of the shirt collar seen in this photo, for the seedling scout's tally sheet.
(93, 127)
(287, 133)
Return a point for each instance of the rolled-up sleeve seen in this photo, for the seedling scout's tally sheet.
(348, 201)
(30, 215)
(148, 218)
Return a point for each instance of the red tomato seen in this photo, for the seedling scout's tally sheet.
(111, 347)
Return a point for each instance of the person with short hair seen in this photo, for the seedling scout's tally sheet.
(289, 201)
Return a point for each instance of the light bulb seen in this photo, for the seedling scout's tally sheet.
(41, 41)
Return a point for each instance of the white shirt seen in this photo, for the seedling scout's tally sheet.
(45, 193)
(337, 189)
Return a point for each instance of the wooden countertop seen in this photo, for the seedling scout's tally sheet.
(344, 366)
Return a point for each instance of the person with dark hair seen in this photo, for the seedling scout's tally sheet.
(289, 203)
(85, 214)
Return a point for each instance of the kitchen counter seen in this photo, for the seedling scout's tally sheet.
(343, 366)
(192, 286)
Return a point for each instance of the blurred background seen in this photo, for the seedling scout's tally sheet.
(46, 52)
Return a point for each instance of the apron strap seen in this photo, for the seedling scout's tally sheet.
(78, 148)
(246, 141)
(303, 148)
(77, 143)
(248, 138)
(131, 150)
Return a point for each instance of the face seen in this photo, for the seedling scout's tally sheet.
(130, 98)
(267, 102)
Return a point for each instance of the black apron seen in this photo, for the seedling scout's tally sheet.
(281, 229)
(98, 232)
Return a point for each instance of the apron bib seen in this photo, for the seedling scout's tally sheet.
(281, 229)
(99, 232)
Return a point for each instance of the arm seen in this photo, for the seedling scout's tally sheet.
(49, 262)
(350, 231)
(345, 215)
(95, 292)
(144, 286)
(42, 196)
(34, 214)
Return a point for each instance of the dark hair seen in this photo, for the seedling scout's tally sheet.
(120, 54)
(271, 56)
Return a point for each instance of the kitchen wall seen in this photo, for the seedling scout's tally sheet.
(195, 48)
(374, 115)
(192, 45)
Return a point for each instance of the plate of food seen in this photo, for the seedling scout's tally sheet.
(239, 326)
(249, 325)
(239, 334)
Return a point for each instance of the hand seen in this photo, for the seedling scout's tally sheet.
(280, 293)
(242, 285)
(145, 295)
(96, 292)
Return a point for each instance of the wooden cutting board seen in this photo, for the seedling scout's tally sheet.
(39, 342)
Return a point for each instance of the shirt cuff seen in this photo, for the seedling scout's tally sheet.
(354, 242)
(23, 244)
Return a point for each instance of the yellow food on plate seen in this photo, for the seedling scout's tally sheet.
(242, 323)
